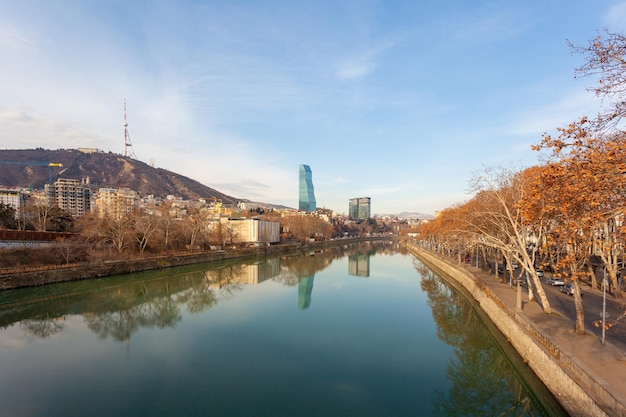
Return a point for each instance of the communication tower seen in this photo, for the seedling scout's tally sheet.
(128, 147)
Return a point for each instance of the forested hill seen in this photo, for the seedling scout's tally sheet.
(103, 170)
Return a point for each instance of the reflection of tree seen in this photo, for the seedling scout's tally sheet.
(119, 306)
(43, 328)
(482, 379)
(121, 323)
(199, 297)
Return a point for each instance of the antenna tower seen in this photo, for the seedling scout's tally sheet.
(128, 147)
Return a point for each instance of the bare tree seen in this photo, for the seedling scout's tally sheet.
(502, 225)
(605, 58)
(144, 226)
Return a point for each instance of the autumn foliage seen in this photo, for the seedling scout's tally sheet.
(565, 214)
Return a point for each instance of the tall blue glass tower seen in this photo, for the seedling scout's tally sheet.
(307, 194)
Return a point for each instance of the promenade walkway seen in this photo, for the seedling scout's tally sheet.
(604, 365)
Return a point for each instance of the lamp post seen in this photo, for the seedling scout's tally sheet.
(603, 305)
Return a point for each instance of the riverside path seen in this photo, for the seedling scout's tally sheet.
(599, 369)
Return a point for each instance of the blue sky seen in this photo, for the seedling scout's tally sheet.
(400, 101)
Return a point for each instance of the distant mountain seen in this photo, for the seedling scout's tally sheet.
(22, 168)
(405, 215)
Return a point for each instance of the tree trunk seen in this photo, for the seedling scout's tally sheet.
(580, 313)
(592, 276)
(615, 288)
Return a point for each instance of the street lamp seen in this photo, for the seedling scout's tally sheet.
(604, 305)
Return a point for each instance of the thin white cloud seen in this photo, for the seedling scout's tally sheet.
(547, 117)
(485, 25)
(364, 63)
(615, 18)
(16, 40)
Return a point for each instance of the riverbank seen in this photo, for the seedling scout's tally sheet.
(584, 376)
(31, 277)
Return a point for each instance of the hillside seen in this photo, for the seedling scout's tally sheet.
(103, 170)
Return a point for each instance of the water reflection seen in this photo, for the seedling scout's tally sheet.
(478, 369)
(117, 307)
(368, 348)
(359, 265)
(305, 290)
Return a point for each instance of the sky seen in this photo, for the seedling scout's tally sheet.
(400, 101)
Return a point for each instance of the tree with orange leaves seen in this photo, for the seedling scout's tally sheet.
(586, 184)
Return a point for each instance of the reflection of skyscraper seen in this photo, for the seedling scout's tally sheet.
(359, 265)
(307, 194)
(305, 289)
(359, 208)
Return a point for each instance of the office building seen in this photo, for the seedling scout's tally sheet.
(359, 208)
(307, 193)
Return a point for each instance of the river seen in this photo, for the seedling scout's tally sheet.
(355, 330)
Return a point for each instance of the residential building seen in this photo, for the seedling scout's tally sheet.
(116, 202)
(70, 195)
(359, 208)
(307, 193)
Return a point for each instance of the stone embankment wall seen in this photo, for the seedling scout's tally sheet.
(548, 362)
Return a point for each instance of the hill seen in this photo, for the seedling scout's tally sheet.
(103, 170)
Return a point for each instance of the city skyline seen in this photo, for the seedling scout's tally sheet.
(399, 101)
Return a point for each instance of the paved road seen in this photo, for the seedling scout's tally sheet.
(592, 306)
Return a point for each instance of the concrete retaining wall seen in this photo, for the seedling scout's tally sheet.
(546, 360)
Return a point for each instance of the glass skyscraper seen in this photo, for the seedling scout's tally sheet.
(359, 208)
(307, 194)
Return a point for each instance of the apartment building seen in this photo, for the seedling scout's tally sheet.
(70, 195)
(115, 202)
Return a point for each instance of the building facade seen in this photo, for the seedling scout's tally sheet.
(360, 208)
(116, 202)
(252, 231)
(69, 195)
(12, 197)
(306, 200)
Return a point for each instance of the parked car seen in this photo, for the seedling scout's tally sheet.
(555, 281)
(569, 289)
(539, 272)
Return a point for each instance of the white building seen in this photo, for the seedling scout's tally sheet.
(12, 197)
(253, 231)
